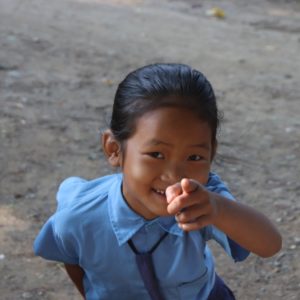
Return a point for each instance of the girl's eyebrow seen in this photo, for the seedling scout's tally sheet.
(156, 142)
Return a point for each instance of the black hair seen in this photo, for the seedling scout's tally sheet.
(152, 87)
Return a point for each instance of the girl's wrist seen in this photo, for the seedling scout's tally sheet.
(217, 204)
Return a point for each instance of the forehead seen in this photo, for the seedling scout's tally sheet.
(172, 124)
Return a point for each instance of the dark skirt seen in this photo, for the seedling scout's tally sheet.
(220, 291)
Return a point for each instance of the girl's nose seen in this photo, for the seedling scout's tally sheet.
(173, 173)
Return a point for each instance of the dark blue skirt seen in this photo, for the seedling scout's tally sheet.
(220, 291)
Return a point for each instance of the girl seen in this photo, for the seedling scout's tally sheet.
(142, 234)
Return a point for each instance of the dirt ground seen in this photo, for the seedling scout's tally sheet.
(60, 63)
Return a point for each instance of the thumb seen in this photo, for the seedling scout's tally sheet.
(189, 185)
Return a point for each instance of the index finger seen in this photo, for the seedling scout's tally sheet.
(173, 191)
(189, 185)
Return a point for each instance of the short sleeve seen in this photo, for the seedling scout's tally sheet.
(49, 245)
(68, 190)
(233, 249)
(56, 240)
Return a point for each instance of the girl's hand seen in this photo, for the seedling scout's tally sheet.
(193, 206)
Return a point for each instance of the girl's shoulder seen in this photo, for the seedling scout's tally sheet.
(214, 180)
(75, 191)
(217, 185)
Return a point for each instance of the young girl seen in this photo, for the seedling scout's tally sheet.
(142, 234)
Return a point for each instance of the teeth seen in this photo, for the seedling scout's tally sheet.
(160, 192)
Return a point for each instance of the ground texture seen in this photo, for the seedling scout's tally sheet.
(60, 62)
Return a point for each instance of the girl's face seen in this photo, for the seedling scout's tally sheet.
(168, 144)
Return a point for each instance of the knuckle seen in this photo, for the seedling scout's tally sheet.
(183, 217)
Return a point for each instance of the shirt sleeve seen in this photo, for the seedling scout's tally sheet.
(56, 240)
(67, 191)
(233, 249)
(49, 245)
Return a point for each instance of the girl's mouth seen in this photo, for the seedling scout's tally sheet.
(160, 192)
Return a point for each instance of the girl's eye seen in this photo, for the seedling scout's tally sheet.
(156, 155)
(195, 157)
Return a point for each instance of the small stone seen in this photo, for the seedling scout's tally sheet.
(26, 295)
(291, 218)
(30, 196)
(280, 256)
(276, 270)
(291, 157)
(107, 81)
(18, 195)
(19, 105)
(36, 39)
(277, 263)
(93, 156)
(293, 247)
(289, 129)
(4, 67)
(297, 240)
(11, 38)
(14, 74)
(2, 256)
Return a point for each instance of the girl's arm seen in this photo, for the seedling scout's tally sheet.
(76, 274)
(246, 226)
(195, 208)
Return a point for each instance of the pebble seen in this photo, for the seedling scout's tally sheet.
(277, 263)
(281, 255)
(30, 196)
(289, 129)
(4, 67)
(290, 218)
(18, 105)
(27, 295)
(297, 241)
(36, 39)
(14, 74)
(93, 156)
(291, 157)
(11, 38)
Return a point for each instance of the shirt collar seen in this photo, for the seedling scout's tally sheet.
(125, 222)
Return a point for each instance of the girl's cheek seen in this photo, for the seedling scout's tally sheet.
(201, 175)
(142, 171)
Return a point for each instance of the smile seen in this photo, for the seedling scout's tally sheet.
(160, 192)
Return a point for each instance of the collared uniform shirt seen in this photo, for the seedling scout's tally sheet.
(93, 224)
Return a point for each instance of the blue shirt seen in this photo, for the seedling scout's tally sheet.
(93, 224)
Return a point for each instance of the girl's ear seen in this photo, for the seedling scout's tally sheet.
(111, 148)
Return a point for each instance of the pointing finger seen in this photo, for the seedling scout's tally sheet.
(173, 191)
(189, 185)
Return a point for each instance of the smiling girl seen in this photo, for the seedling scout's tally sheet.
(142, 233)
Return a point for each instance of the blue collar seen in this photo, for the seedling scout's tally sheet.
(126, 223)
